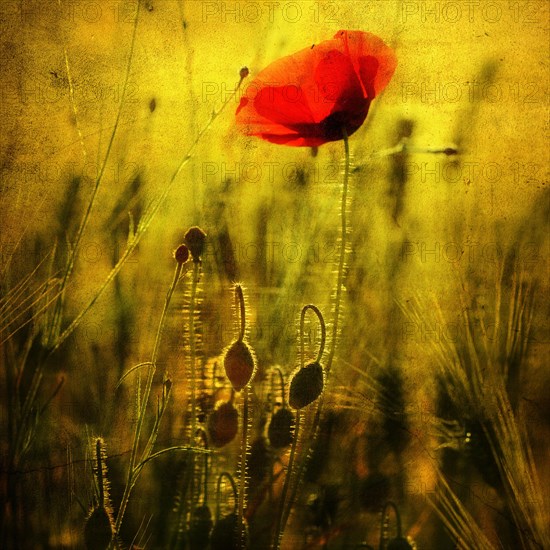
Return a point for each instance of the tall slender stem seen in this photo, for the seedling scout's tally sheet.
(100, 474)
(281, 517)
(341, 261)
(193, 358)
(242, 477)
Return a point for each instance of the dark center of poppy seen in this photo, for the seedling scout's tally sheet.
(332, 125)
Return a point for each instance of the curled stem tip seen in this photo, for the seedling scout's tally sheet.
(241, 308)
(281, 382)
(317, 312)
(392, 505)
(229, 477)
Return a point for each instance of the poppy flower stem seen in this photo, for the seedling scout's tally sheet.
(283, 514)
(193, 373)
(341, 261)
(242, 476)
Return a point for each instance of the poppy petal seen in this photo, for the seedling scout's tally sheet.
(359, 44)
(337, 82)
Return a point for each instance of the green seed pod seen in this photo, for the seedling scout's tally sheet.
(98, 530)
(223, 424)
(306, 385)
(199, 530)
(239, 364)
(195, 239)
(225, 534)
(281, 428)
(399, 543)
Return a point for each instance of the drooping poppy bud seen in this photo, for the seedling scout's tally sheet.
(399, 543)
(195, 239)
(239, 363)
(181, 254)
(98, 530)
(281, 428)
(225, 535)
(306, 385)
(199, 530)
(373, 491)
(223, 424)
(258, 462)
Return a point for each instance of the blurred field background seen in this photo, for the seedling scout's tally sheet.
(446, 271)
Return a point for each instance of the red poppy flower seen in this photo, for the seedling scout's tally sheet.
(308, 98)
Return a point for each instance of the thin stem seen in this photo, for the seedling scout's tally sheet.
(242, 476)
(58, 311)
(143, 226)
(193, 358)
(132, 471)
(282, 516)
(100, 473)
(317, 312)
(341, 261)
(241, 308)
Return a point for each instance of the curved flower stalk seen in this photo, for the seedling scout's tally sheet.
(306, 386)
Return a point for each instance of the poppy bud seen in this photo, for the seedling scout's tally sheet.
(98, 530)
(281, 428)
(181, 254)
(258, 462)
(223, 424)
(225, 535)
(239, 364)
(195, 240)
(374, 490)
(201, 525)
(306, 385)
(244, 72)
(399, 543)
